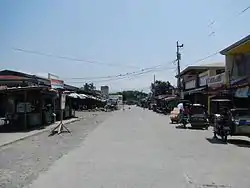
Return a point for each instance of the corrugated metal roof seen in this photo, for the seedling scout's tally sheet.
(12, 77)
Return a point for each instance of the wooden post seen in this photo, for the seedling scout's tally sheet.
(25, 110)
(41, 106)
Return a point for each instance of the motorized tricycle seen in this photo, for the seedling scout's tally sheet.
(221, 125)
(198, 116)
(240, 122)
(236, 124)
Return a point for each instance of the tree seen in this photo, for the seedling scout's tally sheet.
(161, 87)
(88, 87)
(132, 95)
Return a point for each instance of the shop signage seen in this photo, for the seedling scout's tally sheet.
(190, 84)
(56, 84)
(214, 80)
(203, 80)
(63, 100)
(242, 92)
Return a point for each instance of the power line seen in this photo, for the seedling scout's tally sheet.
(121, 75)
(244, 10)
(144, 70)
(121, 78)
(69, 58)
(236, 15)
(207, 57)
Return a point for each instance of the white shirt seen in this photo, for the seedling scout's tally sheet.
(180, 106)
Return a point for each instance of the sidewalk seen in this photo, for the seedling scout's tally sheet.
(8, 138)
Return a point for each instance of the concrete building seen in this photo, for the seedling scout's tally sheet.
(105, 91)
(237, 72)
(237, 58)
(195, 81)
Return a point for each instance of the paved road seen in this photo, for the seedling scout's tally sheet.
(137, 148)
(22, 161)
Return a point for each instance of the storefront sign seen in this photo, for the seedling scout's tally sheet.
(203, 80)
(242, 92)
(56, 84)
(190, 84)
(63, 100)
(216, 80)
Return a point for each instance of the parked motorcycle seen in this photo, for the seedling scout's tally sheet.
(222, 128)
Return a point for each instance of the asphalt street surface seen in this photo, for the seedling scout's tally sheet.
(22, 161)
(138, 148)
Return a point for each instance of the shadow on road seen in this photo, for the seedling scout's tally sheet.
(196, 128)
(239, 142)
(190, 128)
(215, 141)
(180, 127)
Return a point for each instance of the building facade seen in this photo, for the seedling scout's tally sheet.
(195, 81)
(237, 71)
(105, 91)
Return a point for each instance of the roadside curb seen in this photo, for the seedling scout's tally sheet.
(39, 132)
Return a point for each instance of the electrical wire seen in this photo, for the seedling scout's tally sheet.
(121, 75)
(124, 77)
(206, 57)
(81, 60)
(69, 58)
(213, 33)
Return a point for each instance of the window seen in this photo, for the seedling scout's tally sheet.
(220, 71)
(243, 65)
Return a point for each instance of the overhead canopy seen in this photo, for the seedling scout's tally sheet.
(198, 90)
(161, 97)
(170, 98)
(83, 96)
(76, 96)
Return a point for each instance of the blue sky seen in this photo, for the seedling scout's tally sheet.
(139, 33)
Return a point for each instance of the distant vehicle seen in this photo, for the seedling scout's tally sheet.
(198, 116)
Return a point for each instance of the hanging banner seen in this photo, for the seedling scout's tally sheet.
(63, 100)
(242, 92)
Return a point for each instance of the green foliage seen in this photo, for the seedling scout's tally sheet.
(131, 95)
(161, 87)
(88, 87)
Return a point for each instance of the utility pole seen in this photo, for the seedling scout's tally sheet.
(154, 85)
(178, 55)
(153, 90)
(154, 78)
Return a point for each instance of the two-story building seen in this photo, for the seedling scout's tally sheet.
(237, 71)
(194, 81)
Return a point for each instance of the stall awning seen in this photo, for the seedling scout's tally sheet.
(243, 81)
(170, 98)
(74, 95)
(198, 90)
(161, 97)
